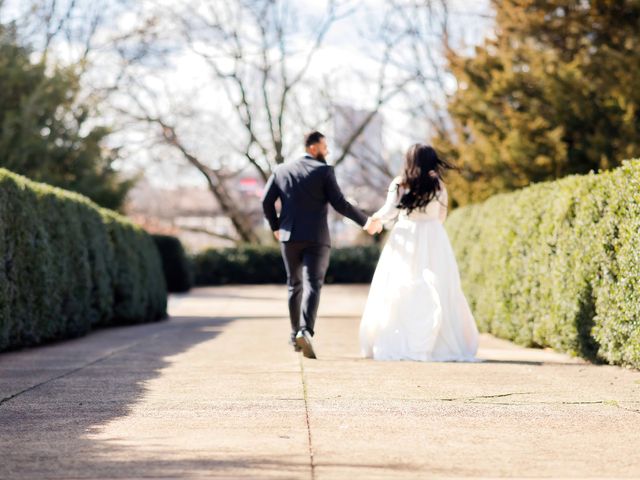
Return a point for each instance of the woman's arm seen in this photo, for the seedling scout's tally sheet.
(443, 199)
(389, 210)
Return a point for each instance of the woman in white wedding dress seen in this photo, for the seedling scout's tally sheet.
(416, 309)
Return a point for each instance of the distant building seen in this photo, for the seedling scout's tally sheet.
(192, 213)
(366, 171)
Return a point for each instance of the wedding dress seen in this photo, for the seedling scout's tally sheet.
(416, 309)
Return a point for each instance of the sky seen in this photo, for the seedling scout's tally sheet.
(345, 52)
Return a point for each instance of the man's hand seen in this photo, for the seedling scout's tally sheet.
(373, 226)
(276, 234)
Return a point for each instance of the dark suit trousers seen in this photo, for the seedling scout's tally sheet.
(306, 264)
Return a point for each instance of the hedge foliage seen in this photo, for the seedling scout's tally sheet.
(557, 264)
(251, 264)
(66, 266)
(178, 271)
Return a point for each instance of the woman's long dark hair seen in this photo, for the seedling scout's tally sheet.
(423, 170)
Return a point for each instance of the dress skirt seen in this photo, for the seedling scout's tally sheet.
(416, 309)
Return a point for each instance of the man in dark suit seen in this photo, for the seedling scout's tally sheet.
(305, 188)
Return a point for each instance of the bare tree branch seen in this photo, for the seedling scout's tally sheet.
(211, 233)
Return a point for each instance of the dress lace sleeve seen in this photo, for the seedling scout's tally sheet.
(389, 210)
(443, 199)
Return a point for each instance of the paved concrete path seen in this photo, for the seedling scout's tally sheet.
(216, 393)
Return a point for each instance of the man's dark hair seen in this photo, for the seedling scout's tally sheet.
(312, 138)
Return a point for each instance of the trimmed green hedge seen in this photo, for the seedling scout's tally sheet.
(557, 264)
(66, 266)
(251, 264)
(178, 272)
(247, 264)
(353, 264)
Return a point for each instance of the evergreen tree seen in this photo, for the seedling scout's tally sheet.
(44, 133)
(552, 92)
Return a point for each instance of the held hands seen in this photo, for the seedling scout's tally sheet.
(373, 226)
(276, 234)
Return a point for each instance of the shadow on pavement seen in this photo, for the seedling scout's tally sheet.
(44, 431)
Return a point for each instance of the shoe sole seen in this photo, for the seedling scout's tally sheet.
(293, 342)
(306, 347)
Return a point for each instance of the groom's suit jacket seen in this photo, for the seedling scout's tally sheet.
(305, 188)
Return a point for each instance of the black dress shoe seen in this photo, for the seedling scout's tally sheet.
(303, 340)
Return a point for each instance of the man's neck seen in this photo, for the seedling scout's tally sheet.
(308, 155)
